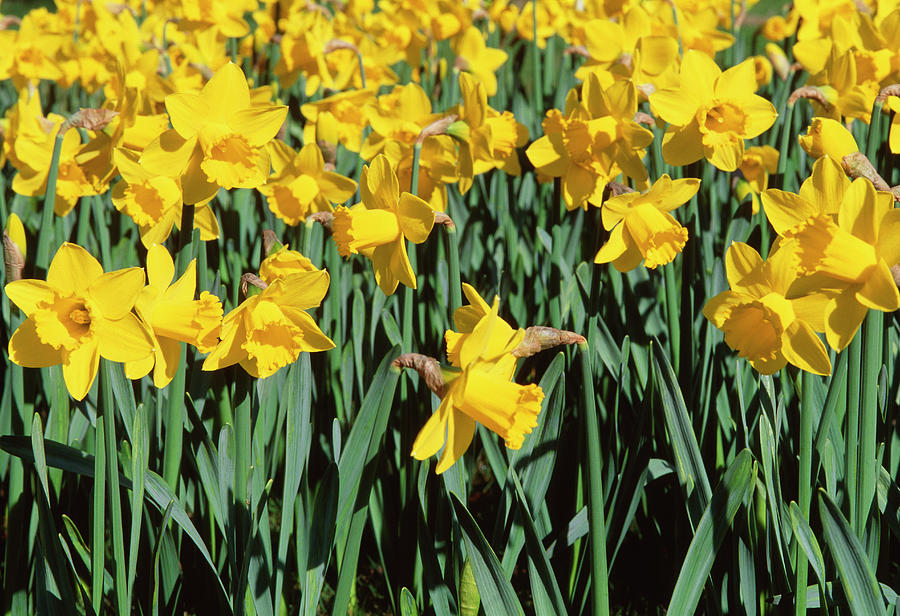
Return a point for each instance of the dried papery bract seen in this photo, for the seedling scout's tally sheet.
(539, 338)
(13, 259)
(428, 368)
(811, 93)
(251, 279)
(91, 119)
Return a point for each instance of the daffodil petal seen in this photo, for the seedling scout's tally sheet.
(803, 348)
(433, 434)
(80, 369)
(416, 218)
(879, 292)
(27, 349)
(73, 270)
(115, 292)
(27, 293)
(843, 316)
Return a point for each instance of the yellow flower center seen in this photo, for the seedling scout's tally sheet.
(230, 161)
(63, 323)
(273, 340)
(754, 330)
(147, 205)
(725, 118)
(658, 236)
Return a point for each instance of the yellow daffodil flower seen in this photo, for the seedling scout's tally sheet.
(78, 316)
(847, 241)
(759, 318)
(711, 113)
(303, 186)
(219, 137)
(269, 330)
(490, 138)
(339, 118)
(36, 154)
(479, 60)
(641, 227)
(827, 136)
(282, 263)
(567, 150)
(173, 316)
(154, 202)
(381, 223)
(482, 390)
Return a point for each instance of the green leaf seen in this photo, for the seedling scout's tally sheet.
(493, 586)
(688, 460)
(717, 517)
(407, 603)
(808, 541)
(854, 571)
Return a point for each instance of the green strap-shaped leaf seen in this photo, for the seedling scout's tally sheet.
(688, 461)
(497, 594)
(407, 603)
(716, 519)
(808, 542)
(157, 490)
(854, 571)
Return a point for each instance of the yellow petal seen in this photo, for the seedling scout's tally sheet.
(843, 316)
(189, 112)
(802, 348)
(785, 210)
(259, 125)
(27, 293)
(460, 431)
(73, 270)
(27, 349)
(683, 146)
(740, 260)
(80, 369)
(432, 435)
(123, 340)
(303, 290)
(160, 267)
(115, 292)
(313, 338)
(879, 291)
(227, 93)
(416, 218)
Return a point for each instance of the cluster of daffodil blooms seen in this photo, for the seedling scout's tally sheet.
(184, 123)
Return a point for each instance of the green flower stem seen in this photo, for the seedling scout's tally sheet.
(185, 233)
(455, 280)
(851, 436)
(102, 227)
(120, 581)
(46, 235)
(406, 332)
(874, 138)
(537, 99)
(98, 539)
(175, 423)
(672, 315)
(873, 330)
(599, 571)
(807, 413)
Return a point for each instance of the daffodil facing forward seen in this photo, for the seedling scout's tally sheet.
(641, 227)
(174, 316)
(218, 137)
(381, 223)
(482, 390)
(77, 316)
(849, 237)
(758, 318)
(303, 186)
(711, 113)
(269, 330)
